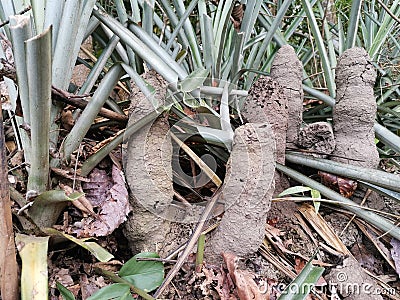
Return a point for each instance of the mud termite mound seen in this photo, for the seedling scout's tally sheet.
(355, 110)
(147, 161)
(354, 115)
(287, 70)
(318, 137)
(267, 103)
(247, 192)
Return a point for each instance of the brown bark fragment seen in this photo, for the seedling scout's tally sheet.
(8, 262)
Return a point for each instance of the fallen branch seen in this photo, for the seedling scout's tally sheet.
(78, 101)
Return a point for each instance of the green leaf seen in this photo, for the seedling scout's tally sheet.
(190, 101)
(114, 291)
(146, 275)
(295, 190)
(302, 284)
(38, 64)
(194, 80)
(65, 293)
(316, 195)
(82, 125)
(380, 178)
(99, 252)
(320, 46)
(354, 19)
(54, 196)
(34, 277)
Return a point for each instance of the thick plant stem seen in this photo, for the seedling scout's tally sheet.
(377, 177)
(38, 61)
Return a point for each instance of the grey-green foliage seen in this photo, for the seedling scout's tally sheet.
(45, 45)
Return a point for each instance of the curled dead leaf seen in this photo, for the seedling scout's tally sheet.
(345, 186)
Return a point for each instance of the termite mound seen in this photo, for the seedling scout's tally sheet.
(354, 115)
(287, 70)
(355, 110)
(247, 192)
(148, 171)
(267, 103)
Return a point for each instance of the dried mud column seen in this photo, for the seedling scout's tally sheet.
(267, 103)
(355, 110)
(148, 170)
(247, 192)
(354, 115)
(287, 70)
(353, 121)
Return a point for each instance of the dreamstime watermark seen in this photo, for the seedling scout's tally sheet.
(201, 119)
(344, 286)
(341, 286)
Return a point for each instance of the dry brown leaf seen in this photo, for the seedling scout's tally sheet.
(67, 174)
(17, 159)
(67, 120)
(365, 258)
(372, 235)
(89, 285)
(217, 279)
(110, 196)
(345, 186)
(81, 203)
(299, 264)
(247, 288)
(112, 265)
(106, 141)
(99, 186)
(272, 234)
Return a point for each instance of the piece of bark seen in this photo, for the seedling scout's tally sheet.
(287, 70)
(8, 263)
(247, 192)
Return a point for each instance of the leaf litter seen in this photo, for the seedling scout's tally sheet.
(109, 196)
